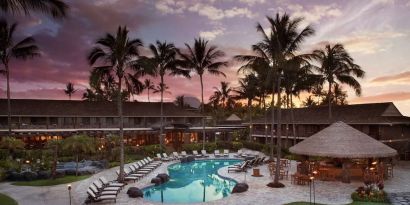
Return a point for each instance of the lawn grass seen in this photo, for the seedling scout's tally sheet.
(51, 182)
(353, 203)
(6, 200)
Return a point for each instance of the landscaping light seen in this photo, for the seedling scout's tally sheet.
(69, 192)
(312, 178)
(374, 163)
(314, 172)
(28, 161)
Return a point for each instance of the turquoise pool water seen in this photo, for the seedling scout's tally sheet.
(192, 182)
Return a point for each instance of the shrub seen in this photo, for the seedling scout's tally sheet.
(371, 192)
(3, 174)
(4, 154)
(152, 150)
(190, 147)
(29, 175)
(210, 147)
(44, 174)
(253, 145)
(15, 176)
(224, 145)
(237, 145)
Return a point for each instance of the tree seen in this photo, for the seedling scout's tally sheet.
(309, 102)
(79, 145)
(277, 47)
(9, 49)
(11, 144)
(148, 85)
(69, 90)
(180, 102)
(226, 98)
(161, 88)
(163, 61)
(55, 145)
(248, 90)
(202, 58)
(119, 57)
(337, 66)
(54, 8)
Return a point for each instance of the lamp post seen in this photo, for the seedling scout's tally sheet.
(69, 192)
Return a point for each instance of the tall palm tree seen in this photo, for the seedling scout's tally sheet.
(179, 101)
(276, 48)
(336, 65)
(163, 61)
(70, 90)
(225, 94)
(202, 58)
(248, 90)
(55, 145)
(79, 145)
(54, 8)
(119, 55)
(161, 88)
(11, 144)
(215, 99)
(148, 85)
(9, 49)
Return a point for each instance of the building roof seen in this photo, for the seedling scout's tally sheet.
(233, 117)
(29, 107)
(340, 140)
(371, 113)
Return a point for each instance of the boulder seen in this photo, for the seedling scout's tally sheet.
(134, 192)
(240, 187)
(164, 177)
(156, 181)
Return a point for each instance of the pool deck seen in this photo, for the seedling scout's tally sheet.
(258, 193)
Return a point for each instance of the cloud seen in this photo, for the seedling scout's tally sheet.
(385, 97)
(252, 2)
(400, 78)
(171, 6)
(315, 13)
(210, 35)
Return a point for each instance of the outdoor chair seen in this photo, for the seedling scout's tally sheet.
(204, 154)
(101, 192)
(195, 153)
(126, 177)
(167, 157)
(184, 154)
(242, 168)
(143, 167)
(96, 198)
(107, 183)
(150, 164)
(101, 188)
(239, 153)
(176, 155)
(153, 161)
(226, 153)
(217, 154)
(147, 164)
(162, 158)
(137, 173)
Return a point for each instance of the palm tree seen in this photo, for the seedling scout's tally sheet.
(148, 85)
(164, 61)
(201, 58)
(55, 145)
(161, 88)
(11, 144)
(336, 65)
(9, 49)
(54, 8)
(248, 90)
(309, 102)
(119, 54)
(276, 48)
(225, 94)
(79, 145)
(179, 101)
(69, 90)
(215, 99)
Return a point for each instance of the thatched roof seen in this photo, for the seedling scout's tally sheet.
(233, 117)
(340, 140)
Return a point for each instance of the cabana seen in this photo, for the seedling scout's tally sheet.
(341, 141)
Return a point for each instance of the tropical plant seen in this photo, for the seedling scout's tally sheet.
(56, 146)
(202, 58)
(278, 46)
(119, 57)
(161, 88)
(337, 66)
(227, 99)
(54, 8)
(12, 145)
(79, 145)
(180, 102)
(148, 85)
(163, 61)
(70, 90)
(248, 90)
(309, 102)
(9, 49)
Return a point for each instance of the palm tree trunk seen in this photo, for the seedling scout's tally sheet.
(272, 128)
(148, 94)
(6, 65)
(329, 98)
(76, 165)
(121, 126)
(287, 124)
(161, 140)
(53, 170)
(250, 119)
(203, 112)
(293, 120)
(279, 133)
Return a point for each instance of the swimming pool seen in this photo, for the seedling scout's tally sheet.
(193, 182)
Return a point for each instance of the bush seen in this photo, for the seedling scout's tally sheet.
(3, 174)
(210, 147)
(4, 154)
(190, 147)
(371, 192)
(253, 145)
(237, 145)
(44, 174)
(152, 150)
(29, 175)
(224, 145)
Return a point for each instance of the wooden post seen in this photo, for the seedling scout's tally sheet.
(346, 171)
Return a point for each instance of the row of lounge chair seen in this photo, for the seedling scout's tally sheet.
(176, 155)
(243, 166)
(102, 189)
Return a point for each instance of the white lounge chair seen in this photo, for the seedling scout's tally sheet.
(238, 169)
(184, 154)
(101, 188)
(153, 161)
(107, 183)
(226, 153)
(195, 153)
(167, 157)
(96, 198)
(176, 155)
(162, 158)
(239, 153)
(204, 154)
(217, 154)
(126, 177)
(102, 192)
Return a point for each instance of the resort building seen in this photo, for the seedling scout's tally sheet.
(36, 121)
(382, 121)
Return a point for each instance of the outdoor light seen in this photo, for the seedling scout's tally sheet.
(266, 127)
(314, 172)
(312, 185)
(374, 163)
(69, 192)
(27, 161)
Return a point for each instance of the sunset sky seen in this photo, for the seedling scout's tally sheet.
(375, 32)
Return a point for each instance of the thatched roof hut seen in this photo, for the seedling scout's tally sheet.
(340, 140)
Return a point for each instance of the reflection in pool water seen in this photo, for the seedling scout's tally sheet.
(193, 182)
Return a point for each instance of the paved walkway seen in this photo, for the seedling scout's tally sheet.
(400, 198)
(258, 193)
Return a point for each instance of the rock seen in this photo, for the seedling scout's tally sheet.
(240, 187)
(134, 192)
(164, 177)
(187, 159)
(275, 185)
(156, 181)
